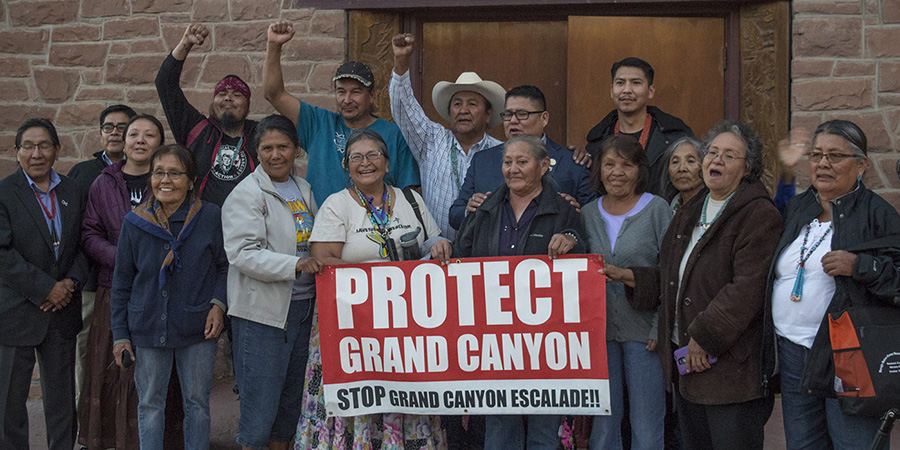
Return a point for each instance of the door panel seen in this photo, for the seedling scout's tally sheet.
(509, 53)
(687, 55)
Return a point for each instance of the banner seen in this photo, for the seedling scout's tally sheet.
(517, 335)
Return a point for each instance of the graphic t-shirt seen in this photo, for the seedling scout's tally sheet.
(324, 135)
(229, 166)
(342, 219)
(136, 184)
(305, 284)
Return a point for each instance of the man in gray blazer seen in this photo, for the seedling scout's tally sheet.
(41, 266)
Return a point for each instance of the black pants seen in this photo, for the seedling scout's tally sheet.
(727, 427)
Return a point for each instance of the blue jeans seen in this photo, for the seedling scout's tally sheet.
(152, 368)
(816, 423)
(642, 372)
(270, 364)
(507, 432)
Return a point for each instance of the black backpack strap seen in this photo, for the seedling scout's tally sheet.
(407, 191)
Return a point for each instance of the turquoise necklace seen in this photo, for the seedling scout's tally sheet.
(704, 225)
(797, 292)
(380, 218)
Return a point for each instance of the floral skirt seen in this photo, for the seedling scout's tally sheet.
(316, 430)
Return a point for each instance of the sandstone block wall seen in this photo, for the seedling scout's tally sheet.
(68, 59)
(846, 65)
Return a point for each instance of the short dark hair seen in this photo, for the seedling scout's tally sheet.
(279, 123)
(753, 162)
(187, 160)
(116, 108)
(36, 122)
(627, 147)
(530, 92)
(847, 130)
(634, 62)
(162, 131)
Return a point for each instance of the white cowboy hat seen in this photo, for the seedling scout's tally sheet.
(469, 81)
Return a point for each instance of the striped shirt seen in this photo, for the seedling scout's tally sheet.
(442, 162)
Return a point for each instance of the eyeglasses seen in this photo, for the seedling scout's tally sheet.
(520, 114)
(833, 158)
(357, 158)
(109, 127)
(726, 157)
(43, 146)
(159, 175)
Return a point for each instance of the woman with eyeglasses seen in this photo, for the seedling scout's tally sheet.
(361, 224)
(107, 410)
(825, 264)
(168, 297)
(710, 289)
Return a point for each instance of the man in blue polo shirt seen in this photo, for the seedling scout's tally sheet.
(323, 134)
(525, 113)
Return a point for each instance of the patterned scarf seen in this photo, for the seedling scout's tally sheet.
(150, 218)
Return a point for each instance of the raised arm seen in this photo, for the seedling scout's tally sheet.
(408, 114)
(180, 114)
(273, 81)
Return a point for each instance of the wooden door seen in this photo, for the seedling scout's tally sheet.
(570, 62)
(687, 55)
(509, 53)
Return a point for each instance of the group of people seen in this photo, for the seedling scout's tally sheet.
(160, 247)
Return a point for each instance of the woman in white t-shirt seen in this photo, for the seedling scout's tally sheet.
(368, 222)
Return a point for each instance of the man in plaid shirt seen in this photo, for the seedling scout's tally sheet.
(470, 105)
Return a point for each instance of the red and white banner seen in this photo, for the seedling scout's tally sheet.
(519, 335)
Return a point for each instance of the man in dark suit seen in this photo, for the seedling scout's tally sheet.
(41, 266)
(525, 113)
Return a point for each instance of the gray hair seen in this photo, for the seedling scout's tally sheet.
(664, 179)
(753, 161)
(536, 145)
(847, 130)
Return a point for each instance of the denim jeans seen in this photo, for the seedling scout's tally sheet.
(642, 372)
(816, 423)
(507, 432)
(270, 364)
(152, 368)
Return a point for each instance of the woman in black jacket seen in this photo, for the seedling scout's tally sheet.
(818, 270)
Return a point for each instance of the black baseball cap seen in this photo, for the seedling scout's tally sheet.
(357, 71)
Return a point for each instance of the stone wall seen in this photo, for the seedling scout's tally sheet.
(66, 60)
(846, 65)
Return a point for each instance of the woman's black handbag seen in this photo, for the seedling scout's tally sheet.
(865, 341)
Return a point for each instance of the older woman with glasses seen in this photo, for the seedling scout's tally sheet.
(168, 297)
(825, 263)
(364, 223)
(710, 288)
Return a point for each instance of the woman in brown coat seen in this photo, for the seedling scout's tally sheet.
(710, 290)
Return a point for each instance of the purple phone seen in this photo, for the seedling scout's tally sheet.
(681, 357)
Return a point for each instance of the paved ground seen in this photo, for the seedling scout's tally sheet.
(224, 407)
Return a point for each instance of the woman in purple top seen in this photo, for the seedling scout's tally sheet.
(107, 411)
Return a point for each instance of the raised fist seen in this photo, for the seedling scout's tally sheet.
(280, 32)
(403, 45)
(195, 34)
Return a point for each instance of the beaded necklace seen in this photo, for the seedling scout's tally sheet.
(797, 292)
(704, 225)
(379, 217)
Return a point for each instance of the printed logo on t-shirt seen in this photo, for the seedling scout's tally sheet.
(340, 141)
(136, 196)
(230, 163)
(303, 221)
